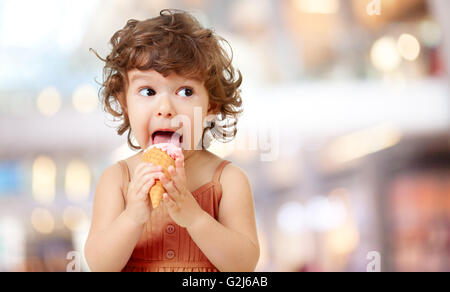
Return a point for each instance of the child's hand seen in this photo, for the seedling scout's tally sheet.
(138, 201)
(181, 205)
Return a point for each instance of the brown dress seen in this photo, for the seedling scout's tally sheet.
(164, 245)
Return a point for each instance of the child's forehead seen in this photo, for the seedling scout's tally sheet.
(136, 75)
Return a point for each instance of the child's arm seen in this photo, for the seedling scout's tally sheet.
(232, 243)
(114, 234)
(115, 228)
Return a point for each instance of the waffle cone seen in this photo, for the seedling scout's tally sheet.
(160, 158)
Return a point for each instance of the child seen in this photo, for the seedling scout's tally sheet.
(160, 69)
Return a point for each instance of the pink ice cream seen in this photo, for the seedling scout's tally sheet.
(171, 149)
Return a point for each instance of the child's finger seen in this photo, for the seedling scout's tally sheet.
(146, 177)
(169, 201)
(177, 180)
(142, 194)
(140, 167)
(179, 163)
(170, 188)
(169, 196)
(174, 176)
(145, 184)
(172, 171)
(148, 169)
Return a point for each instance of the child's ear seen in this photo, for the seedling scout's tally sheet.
(213, 108)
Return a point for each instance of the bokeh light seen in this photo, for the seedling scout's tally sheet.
(318, 6)
(42, 220)
(49, 101)
(77, 181)
(408, 47)
(430, 33)
(43, 180)
(75, 218)
(85, 99)
(361, 143)
(384, 54)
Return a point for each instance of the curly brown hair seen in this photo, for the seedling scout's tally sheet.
(175, 42)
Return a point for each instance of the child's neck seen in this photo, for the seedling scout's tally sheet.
(190, 156)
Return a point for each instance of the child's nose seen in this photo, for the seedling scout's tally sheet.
(165, 114)
(165, 108)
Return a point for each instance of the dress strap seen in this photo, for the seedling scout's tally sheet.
(219, 169)
(125, 176)
(218, 173)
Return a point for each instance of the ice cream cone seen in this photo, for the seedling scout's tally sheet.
(158, 157)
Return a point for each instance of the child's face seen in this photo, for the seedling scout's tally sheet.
(157, 102)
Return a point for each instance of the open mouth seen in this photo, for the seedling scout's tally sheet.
(167, 136)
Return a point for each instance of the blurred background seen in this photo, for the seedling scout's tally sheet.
(344, 136)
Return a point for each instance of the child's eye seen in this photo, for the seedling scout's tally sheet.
(187, 91)
(147, 92)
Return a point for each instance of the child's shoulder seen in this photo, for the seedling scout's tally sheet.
(230, 172)
(128, 165)
(112, 175)
(233, 174)
(211, 162)
(116, 173)
(109, 187)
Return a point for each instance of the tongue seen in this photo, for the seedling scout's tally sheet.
(167, 137)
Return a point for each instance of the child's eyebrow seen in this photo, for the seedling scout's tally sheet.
(143, 77)
(137, 77)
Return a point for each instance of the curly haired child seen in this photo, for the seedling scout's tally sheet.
(158, 70)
